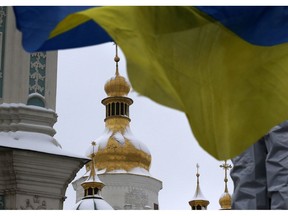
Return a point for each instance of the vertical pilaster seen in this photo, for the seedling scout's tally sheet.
(3, 15)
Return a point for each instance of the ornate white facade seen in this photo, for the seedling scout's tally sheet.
(126, 191)
(34, 170)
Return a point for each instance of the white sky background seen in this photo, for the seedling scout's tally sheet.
(82, 74)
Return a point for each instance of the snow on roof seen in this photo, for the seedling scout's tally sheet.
(34, 142)
(138, 144)
(102, 141)
(198, 194)
(136, 171)
(119, 138)
(92, 203)
(21, 105)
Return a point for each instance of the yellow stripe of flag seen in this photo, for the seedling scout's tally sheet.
(231, 91)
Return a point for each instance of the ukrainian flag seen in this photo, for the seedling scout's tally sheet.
(225, 67)
(38, 22)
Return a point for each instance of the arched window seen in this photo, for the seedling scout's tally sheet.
(36, 101)
(96, 190)
(90, 191)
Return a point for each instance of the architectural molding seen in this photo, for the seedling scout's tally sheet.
(3, 16)
(33, 180)
(18, 117)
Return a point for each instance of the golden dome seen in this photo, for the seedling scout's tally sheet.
(225, 201)
(119, 150)
(117, 86)
(122, 156)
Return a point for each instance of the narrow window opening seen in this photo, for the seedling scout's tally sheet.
(113, 109)
(90, 191)
(117, 108)
(122, 109)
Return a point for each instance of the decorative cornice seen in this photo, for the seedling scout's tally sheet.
(27, 118)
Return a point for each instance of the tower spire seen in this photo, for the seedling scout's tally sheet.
(199, 202)
(93, 172)
(117, 86)
(197, 175)
(225, 199)
(116, 59)
(92, 186)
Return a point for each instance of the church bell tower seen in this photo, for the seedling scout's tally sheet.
(34, 170)
(122, 160)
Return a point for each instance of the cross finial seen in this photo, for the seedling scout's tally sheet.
(93, 144)
(226, 167)
(92, 173)
(197, 166)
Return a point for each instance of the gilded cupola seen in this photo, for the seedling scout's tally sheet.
(117, 85)
(225, 200)
(118, 150)
(92, 186)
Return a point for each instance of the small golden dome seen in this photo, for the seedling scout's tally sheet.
(117, 86)
(225, 201)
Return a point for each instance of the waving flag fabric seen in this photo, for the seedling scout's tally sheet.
(37, 22)
(225, 67)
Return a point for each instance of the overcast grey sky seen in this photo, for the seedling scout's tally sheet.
(82, 74)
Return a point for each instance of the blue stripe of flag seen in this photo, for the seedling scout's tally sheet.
(258, 25)
(37, 22)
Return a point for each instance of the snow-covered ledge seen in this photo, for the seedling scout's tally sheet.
(20, 117)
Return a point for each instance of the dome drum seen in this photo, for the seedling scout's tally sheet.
(199, 204)
(117, 106)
